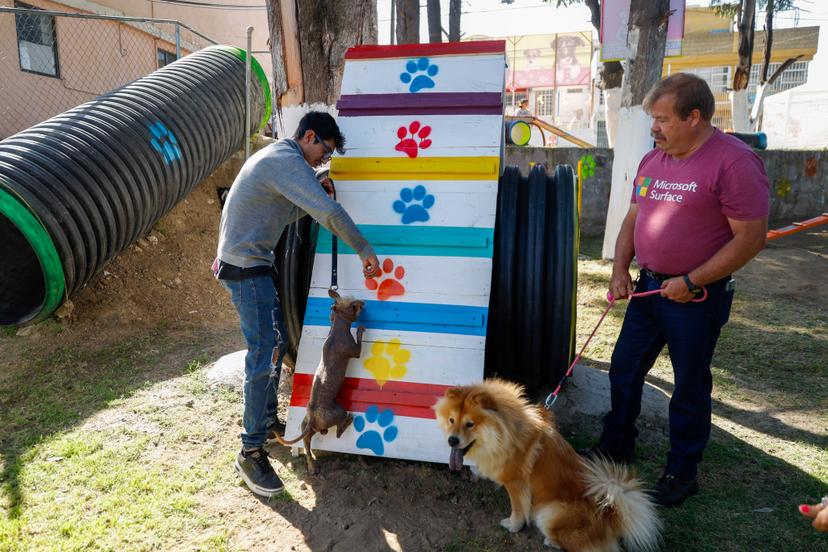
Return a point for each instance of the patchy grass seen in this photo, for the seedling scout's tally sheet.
(124, 446)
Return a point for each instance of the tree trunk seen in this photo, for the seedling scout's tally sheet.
(768, 40)
(277, 53)
(408, 21)
(647, 38)
(611, 74)
(328, 29)
(454, 20)
(741, 77)
(435, 29)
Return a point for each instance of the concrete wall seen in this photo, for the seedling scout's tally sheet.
(799, 180)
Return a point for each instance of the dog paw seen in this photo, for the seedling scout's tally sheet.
(390, 285)
(387, 361)
(551, 544)
(372, 439)
(512, 526)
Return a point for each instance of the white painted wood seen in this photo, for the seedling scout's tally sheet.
(476, 73)
(441, 280)
(435, 340)
(612, 105)
(417, 439)
(468, 207)
(425, 364)
(634, 141)
(423, 135)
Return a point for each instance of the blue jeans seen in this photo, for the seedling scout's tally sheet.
(690, 331)
(260, 314)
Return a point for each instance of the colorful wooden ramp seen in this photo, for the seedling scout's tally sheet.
(424, 131)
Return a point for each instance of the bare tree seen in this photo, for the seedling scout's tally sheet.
(325, 29)
(454, 20)
(408, 21)
(435, 29)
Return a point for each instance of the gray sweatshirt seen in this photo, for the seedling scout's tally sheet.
(275, 187)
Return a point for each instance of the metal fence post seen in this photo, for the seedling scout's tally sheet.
(247, 62)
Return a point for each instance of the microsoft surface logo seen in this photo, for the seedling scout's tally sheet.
(642, 186)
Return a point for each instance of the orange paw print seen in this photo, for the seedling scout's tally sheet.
(389, 286)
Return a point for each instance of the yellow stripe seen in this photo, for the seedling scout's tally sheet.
(422, 168)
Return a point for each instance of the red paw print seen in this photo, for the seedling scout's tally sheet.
(389, 287)
(413, 139)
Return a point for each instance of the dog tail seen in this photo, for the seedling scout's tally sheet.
(614, 489)
(305, 432)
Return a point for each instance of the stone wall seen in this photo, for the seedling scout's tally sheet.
(799, 180)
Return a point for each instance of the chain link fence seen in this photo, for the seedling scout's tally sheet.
(53, 61)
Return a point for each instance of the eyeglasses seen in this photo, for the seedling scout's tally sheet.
(328, 150)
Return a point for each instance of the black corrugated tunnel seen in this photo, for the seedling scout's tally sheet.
(79, 188)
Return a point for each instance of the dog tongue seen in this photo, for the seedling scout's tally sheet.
(456, 459)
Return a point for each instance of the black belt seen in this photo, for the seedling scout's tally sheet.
(658, 275)
(226, 271)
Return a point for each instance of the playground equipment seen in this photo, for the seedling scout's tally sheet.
(81, 187)
(798, 227)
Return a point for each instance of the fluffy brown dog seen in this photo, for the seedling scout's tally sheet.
(579, 505)
(323, 411)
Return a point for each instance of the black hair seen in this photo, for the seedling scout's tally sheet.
(691, 92)
(324, 125)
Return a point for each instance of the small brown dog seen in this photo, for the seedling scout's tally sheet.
(323, 411)
(579, 505)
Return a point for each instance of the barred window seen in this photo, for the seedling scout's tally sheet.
(164, 57)
(795, 75)
(718, 78)
(37, 42)
(545, 102)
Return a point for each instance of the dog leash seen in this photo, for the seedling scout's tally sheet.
(553, 396)
(334, 278)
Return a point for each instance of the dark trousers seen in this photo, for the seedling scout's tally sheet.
(690, 331)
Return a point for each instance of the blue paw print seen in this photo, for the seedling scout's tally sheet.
(410, 211)
(418, 82)
(164, 142)
(373, 440)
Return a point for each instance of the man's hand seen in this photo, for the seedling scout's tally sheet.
(676, 290)
(370, 267)
(328, 186)
(621, 283)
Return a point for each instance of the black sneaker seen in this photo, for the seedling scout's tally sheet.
(672, 491)
(599, 451)
(258, 474)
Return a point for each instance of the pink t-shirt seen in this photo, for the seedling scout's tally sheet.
(684, 204)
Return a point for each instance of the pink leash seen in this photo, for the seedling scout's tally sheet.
(553, 396)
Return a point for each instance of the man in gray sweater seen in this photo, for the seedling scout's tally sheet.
(275, 186)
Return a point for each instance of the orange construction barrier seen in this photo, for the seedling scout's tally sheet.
(798, 227)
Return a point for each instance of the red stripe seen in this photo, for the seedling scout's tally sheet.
(415, 50)
(357, 394)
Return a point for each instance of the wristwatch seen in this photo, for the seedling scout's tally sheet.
(693, 288)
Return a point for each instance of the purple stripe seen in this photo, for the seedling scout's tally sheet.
(444, 103)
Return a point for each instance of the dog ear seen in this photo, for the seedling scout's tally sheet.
(484, 400)
(454, 392)
(333, 295)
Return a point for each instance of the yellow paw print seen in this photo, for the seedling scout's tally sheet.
(387, 361)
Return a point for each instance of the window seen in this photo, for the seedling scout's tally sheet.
(36, 42)
(794, 75)
(164, 57)
(718, 78)
(545, 103)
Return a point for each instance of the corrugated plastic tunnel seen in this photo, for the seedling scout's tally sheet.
(81, 187)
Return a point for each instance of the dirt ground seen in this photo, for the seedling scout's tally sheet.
(163, 285)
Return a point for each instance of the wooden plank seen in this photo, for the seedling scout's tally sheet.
(412, 439)
(421, 168)
(436, 340)
(373, 51)
(407, 279)
(424, 75)
(394, 360)
(413, 204)
(436, 103)
(427, 241)
(408, 317)
(422, 136)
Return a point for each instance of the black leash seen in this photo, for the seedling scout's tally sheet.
(334, 284)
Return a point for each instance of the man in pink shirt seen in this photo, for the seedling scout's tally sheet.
(698, 212)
